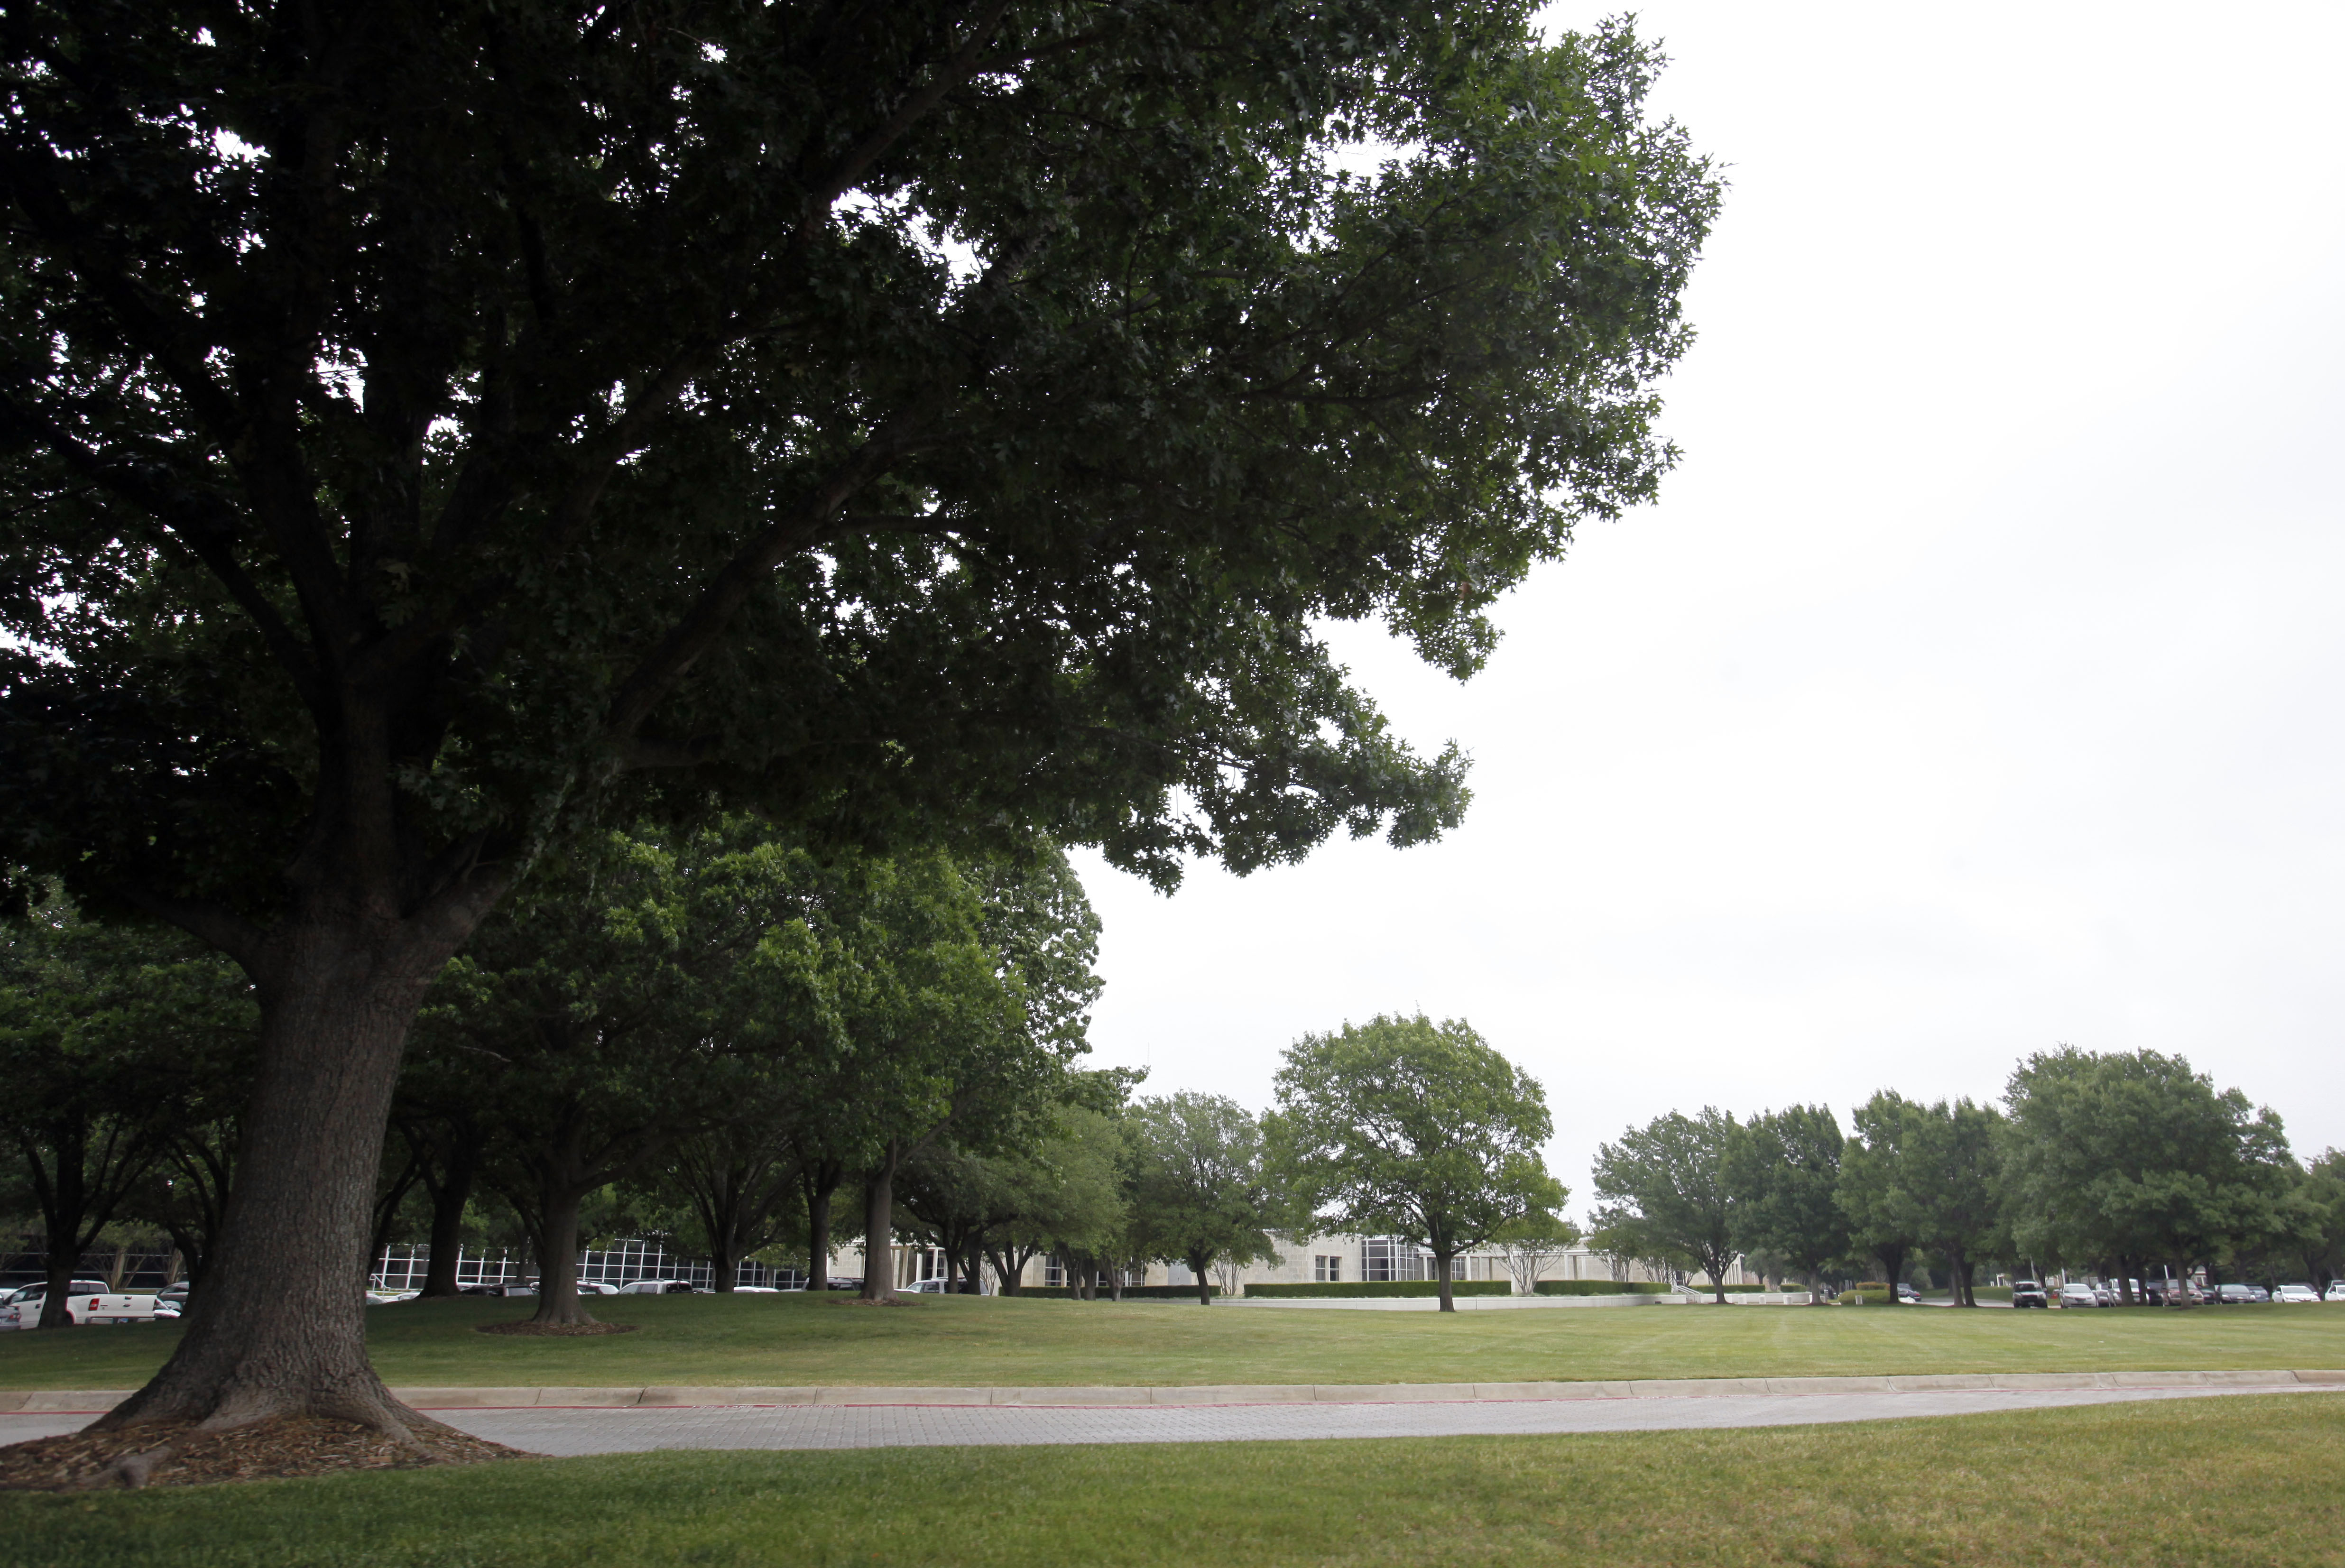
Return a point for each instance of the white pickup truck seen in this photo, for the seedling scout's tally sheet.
(22, 1309)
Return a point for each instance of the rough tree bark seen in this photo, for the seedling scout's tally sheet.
(279, 1329)
(558, 1302)
(1200, 1267)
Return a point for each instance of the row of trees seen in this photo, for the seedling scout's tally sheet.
(724, 1033)
(2120, 1163)
(714, 1021)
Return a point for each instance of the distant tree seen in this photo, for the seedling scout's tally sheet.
(1663, 1193)
(1532, 1242)
(1926, 1176)
(105, 1035)
(607, 999)
(2319, 1206)
(1071, 1190)
(1782, 1176)
(2124, 1157)
(1199, 1186)
(1957, 1151)
(740, 1184)
(1875, 1171)
(1406, 1128)
(956, 1196)
(963, 1013)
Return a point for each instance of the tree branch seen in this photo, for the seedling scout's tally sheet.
(192, 521)
(730, 589)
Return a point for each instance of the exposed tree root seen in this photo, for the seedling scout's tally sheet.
(186, 1453)
(533, 1326)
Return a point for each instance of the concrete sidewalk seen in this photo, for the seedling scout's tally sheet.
(92, 1402)
(585, 1430)
(625, 1421)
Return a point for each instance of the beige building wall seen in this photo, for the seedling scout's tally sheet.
(1347, 1258)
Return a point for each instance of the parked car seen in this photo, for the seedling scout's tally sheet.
(2296, 1293)
(926, 1288)
(2336, 1290)
(2234, 1295)
(662, 1288)
(1907, 1293)
(88, 1302)
(2076, 1293)
(596, 1287)
(38, 1291)
(2104, 1295)
(21, 1308)
(757, 1289)
(518, 1288)
(844, 1284)
(2028, 1293)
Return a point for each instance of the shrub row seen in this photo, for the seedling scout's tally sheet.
(1600, 1288)
(1130, 1292)
(1385, 1288)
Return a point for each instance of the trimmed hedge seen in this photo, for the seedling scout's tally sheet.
(1601, 1287)
(1387, 1288)
(1131, 1293)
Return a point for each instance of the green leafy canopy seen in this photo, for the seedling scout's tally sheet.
(425, 429)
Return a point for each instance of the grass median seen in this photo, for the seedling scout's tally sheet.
(2210, 1481)
(966, 1341)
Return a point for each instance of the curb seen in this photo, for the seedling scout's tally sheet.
(95, 1401)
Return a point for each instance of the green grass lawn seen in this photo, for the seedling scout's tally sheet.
(962, 1340)
(2212, 1482)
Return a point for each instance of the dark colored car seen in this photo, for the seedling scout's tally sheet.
(2029, 1293)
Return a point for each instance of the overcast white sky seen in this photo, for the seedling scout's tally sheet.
(1974, 686)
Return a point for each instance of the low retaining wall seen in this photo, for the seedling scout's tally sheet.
(93, 1402)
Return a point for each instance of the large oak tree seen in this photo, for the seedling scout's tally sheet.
(428, 428)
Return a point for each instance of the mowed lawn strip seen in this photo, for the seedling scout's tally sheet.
(974, 1341)
(2211, 1480)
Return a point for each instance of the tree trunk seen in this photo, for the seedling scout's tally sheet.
(1010, 1264)
(819, 1180)
(63, 1201)
(880, 1232)
(1892, 1260)
(278, 1327)
(386, 1205)
(449, 1201)
(1958, 1277)
(557, 1255)
(2178, 1287)
(62, 1263)
(1198, 1263)
(1441, 1262)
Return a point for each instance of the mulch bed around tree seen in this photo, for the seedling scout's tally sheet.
(564, 1329)
(265, 1451)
